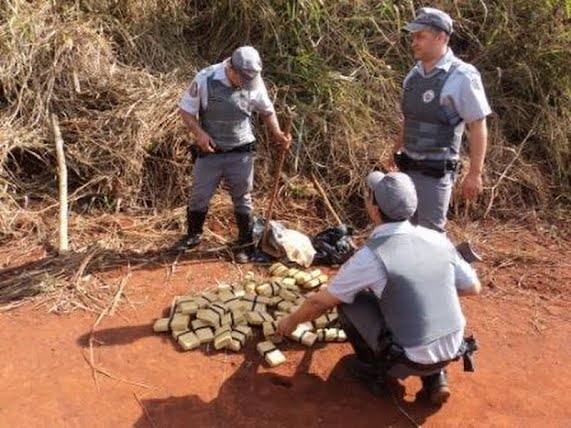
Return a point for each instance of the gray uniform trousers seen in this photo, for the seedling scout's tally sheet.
(237, 171)
(367, 320)
(434, 196)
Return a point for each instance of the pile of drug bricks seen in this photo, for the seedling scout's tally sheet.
(232, 314)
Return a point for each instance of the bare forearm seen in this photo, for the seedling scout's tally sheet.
(478, 138)
(191, 121)
(314, 306)
(399, 141)
(271, 121)
(309, 310)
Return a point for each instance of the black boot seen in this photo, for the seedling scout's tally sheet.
(435, 388)
(245, 223)
(194, 221)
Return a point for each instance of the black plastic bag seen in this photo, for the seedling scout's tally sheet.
(333, 245)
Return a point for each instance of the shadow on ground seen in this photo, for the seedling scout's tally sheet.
(251, 397)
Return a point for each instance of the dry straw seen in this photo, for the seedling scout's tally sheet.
(113, 73)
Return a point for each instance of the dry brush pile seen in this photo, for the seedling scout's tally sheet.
(113, 71)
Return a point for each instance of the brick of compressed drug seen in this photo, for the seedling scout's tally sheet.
(289, 295)
(244, 329)
(238, 340)
(291, 272)
(179, 322)
(253, 297)
(224, 286)
(269, 329)
(161, 325)
(253, 302)
(324, 320)
(257, 318)
(205, 334)
(311, 284)
(250, 287)
(187, 305)
(268, 289)
(186, 339)
(278, 269)
(222, 337)
(315, 273)
(331, 335)
(203, 330)
(205, 299)
(270, 353)
(284, 305)
(230, 299)
(274, 300)
(301, 278)
(237, 317)
(289, 283)
(215, 315)
(304, 335)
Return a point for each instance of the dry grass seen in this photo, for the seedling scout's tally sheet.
(113, 73)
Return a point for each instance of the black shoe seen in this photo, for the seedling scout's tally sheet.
(435, 388)
(367, 374)
(188, 242)
(245, 222)
(258, 256)
(194, 223)
(241, 256)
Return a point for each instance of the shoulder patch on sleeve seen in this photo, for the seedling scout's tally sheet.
(193, 90)
(475, 83)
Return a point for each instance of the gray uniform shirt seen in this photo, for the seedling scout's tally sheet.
(462, 92)
(363, 272)
(195, 97)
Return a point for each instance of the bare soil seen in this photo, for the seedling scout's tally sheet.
(522, 322)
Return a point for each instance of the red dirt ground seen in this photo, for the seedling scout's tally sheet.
(521, 320)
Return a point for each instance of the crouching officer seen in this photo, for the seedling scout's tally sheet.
(397, 297)
(217, 108)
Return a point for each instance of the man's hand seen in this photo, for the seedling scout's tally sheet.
(472, 186)
(283, 139)
(204, 142)
(286, 326)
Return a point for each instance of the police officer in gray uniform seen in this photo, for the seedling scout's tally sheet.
(441, 94)
(217, 108)
(397, 297)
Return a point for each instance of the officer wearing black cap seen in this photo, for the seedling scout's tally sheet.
(217, 108)
(441, 95)
(397, 297)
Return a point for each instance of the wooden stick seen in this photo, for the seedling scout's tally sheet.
(325, 199)
(62, 177)
(281, 159)
(274, 194)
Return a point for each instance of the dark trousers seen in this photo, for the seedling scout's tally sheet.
(366, 330)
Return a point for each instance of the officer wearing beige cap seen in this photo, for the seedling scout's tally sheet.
(397, 296)
(217, 107)
(441, 95)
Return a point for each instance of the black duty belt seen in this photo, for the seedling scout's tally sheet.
(430, 167)
(244, 148)
(393, 354)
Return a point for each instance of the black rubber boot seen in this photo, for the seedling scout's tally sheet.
(194, 221)
(367, 374)
(435, 388)
(245, 223)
